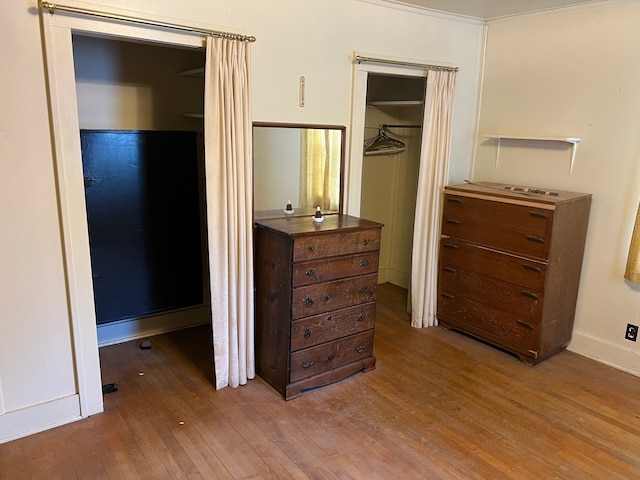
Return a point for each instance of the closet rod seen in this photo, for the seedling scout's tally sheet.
(52, 7)
(360, 59)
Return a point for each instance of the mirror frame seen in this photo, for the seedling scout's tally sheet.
(263, 214)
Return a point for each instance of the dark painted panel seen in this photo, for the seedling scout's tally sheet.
(142, 195)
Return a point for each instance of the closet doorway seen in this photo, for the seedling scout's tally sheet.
(59, 30)
(388, 100)
(142, 156)
(390, 167)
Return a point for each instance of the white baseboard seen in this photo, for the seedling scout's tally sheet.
(390, 275)
(604, 352)
(135, 328)
(38, 418)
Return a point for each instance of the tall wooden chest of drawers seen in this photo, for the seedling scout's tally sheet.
(510, 264)
(315, 300)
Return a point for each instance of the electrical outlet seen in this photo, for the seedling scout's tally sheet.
(631, 333)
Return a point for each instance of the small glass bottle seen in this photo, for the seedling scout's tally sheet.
(318, 215)
(288, 210)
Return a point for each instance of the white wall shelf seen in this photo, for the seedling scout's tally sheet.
(573, 141)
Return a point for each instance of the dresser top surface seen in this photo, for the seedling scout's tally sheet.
(516, 192)
(306, 225)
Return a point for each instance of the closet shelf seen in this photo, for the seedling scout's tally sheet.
(395, 103)
(573, 141)
(195, 73)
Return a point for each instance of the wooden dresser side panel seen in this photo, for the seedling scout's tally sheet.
(563, 274)
(273, 260)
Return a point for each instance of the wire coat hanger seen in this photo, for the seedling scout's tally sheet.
(383, 144)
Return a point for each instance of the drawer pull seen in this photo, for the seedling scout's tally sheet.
(366, 242)
(449, 269)
(527, 293)
(453, 221)
(533, 268)
(307, 333)
(361, 317)
(363, 289)
(330, 357)
(524, 324)
(311, 272)
(454, 200)
(312, 248)
(450, 245)
(535, 238)
(539, 215)
(329, 318)
(308, 301)
(360, 348)
(307, 364)
(447, 295)
(364, 263)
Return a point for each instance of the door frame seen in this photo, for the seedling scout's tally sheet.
(59, 64)
(361, 71)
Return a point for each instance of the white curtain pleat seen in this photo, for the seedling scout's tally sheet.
(432, 177)
(227, 140)
(320, 168)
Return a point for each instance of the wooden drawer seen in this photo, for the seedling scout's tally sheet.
(498, 213)
(316, 271)
(324, 297)
(335, 244)
(488, 322)
(310, 331)
(514, 228)
(481, 289)
(521, 271)
(325, 357)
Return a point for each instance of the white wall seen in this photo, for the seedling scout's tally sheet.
(575, 73)
(276, 169)
(295, 37)
(35, 341)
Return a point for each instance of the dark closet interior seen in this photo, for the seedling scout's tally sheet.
(142, 154)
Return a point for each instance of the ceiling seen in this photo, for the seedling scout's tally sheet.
(491, 9)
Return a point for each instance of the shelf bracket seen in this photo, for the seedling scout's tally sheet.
(574, 148)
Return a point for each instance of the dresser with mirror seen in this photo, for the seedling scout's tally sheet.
(315, 281)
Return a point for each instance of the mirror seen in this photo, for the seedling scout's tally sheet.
(299, 163)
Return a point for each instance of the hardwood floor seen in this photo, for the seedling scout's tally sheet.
(439, 405)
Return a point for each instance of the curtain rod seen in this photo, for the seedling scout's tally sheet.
(360, 59)
(52, 7)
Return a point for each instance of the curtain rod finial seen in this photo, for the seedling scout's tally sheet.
(48, 6)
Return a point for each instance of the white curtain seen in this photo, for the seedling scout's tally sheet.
(227, 140)
(434, 170)
(320, 168)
